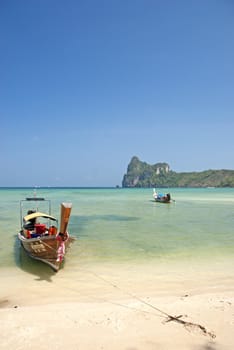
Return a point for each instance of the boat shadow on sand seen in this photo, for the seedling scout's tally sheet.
(37, 268)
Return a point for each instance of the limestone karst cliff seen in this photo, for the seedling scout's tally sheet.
(141, 174)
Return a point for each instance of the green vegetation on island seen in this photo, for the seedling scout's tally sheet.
(141, 174)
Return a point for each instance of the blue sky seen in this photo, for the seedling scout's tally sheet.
(86, 85)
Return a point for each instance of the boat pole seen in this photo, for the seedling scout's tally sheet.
(65, 215)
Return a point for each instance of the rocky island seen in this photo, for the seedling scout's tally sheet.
(141, 174)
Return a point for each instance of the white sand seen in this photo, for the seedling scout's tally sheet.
(105, 308)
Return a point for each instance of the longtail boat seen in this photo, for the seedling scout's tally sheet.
(162, 198)
(39, 234)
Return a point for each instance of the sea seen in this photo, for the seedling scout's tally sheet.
(124, 229)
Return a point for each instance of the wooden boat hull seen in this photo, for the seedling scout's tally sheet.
(46, 249)
(161, 200)
(41, 239)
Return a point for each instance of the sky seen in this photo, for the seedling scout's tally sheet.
(85, 85)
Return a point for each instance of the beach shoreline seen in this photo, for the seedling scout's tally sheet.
(119, 307)
(133, 263)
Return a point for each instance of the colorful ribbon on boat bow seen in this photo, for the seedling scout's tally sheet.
(61, 248)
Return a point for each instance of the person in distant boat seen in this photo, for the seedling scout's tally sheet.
(168, 197)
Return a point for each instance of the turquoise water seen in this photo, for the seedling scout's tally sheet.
(126, 225)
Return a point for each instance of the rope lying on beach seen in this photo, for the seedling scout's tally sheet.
(188, 325)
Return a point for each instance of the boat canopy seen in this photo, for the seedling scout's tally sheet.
(38, 215)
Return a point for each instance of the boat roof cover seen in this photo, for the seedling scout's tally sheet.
(37, 215)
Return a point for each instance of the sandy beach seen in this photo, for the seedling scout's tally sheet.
(119, 308)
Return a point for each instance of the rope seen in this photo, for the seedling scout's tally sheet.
(186, 324)
(130, 294)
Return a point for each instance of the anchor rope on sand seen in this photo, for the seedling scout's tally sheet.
(188, 325)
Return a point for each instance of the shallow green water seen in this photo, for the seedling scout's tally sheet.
(126, 225)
